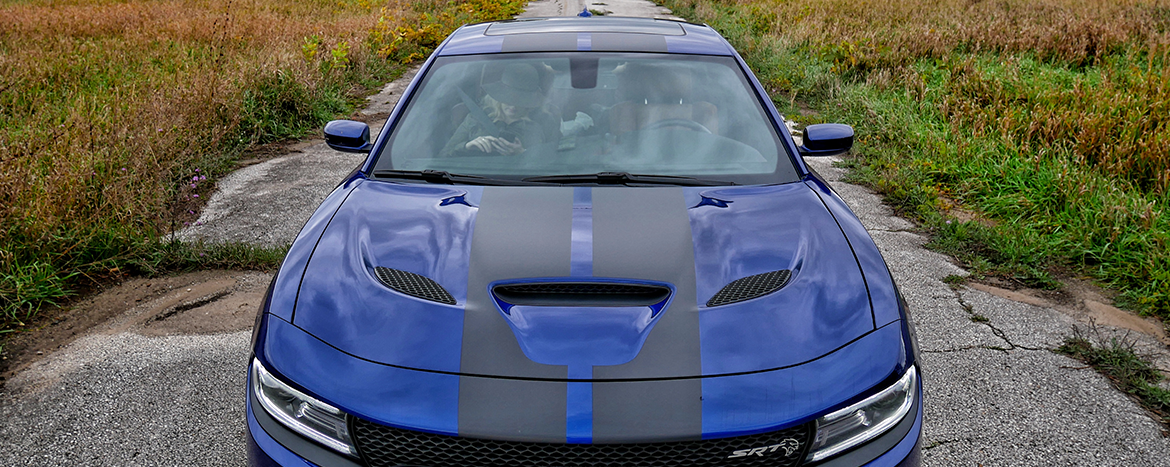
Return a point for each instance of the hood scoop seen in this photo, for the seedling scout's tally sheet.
(581, 324)
(414, 285)
(750, 287)
(590, 294)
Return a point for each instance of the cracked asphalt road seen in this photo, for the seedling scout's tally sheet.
(995, 395)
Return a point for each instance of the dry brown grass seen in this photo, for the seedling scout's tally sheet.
(1050, 116)
(109, 108)
(871, 33)
(103, 101)
(1083, 78)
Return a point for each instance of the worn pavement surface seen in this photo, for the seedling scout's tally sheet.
(995, 393)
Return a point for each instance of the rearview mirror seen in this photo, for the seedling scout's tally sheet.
(348, 136)
(826, 139)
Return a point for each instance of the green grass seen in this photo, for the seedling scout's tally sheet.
(1117, 359)
(1022, 165)
(28, 286)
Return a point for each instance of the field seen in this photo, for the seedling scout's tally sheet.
(1031, 137)
(116, 116)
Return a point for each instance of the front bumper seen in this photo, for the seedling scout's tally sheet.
(272, 445)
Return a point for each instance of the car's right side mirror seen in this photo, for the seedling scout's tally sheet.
(826, 139)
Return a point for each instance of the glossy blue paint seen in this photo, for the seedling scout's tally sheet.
(826, 139)
(705, 201)
(579, 406)
(581, 337)
(581, 253)
(771, 400)
(288, 278)
(882, 292)
(399, 397)
(348, 136)
(460, 199)
(398, 226)
(769, 228)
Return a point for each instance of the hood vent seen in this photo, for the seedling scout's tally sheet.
(414, 285)
(581, 294)
(750, 287)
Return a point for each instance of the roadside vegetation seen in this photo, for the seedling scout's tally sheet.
(1117, 359)
(115, 117)
(1031, 137)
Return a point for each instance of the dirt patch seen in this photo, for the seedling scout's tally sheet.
(1084, 301)
(205, 302)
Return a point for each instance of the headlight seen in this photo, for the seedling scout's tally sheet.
(864, 420)
(300, 412)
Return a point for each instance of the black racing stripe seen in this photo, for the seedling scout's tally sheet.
(645, 233)
(604, 42)
(519, 232)
(553, 42)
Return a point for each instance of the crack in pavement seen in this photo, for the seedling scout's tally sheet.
(975, 317)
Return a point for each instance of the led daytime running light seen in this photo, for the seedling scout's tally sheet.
(300, 412)
(864, 420)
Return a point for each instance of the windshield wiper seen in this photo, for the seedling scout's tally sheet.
(444, 177)
(624, 178)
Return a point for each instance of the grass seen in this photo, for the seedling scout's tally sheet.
(1030, 137)
(1117, 359)
(116, 118)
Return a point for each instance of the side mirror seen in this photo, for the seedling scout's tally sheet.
(826, 139)
(348, 136)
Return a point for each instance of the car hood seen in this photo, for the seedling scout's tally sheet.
(454, 245)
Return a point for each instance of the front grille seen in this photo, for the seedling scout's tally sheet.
(751, 287)
(383, 446)
(414, 285)
(581, 294)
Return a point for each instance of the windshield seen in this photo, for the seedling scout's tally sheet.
(518, 116)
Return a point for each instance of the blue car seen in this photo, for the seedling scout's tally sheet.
(577, 242)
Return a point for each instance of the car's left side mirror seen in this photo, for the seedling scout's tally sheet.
(348, 136)
(826, 139)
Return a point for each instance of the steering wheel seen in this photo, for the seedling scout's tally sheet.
(680, 122)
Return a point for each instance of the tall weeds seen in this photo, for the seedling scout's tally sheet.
(108, 108)
(1048, 118)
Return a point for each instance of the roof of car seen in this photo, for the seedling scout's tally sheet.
(597, 34)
